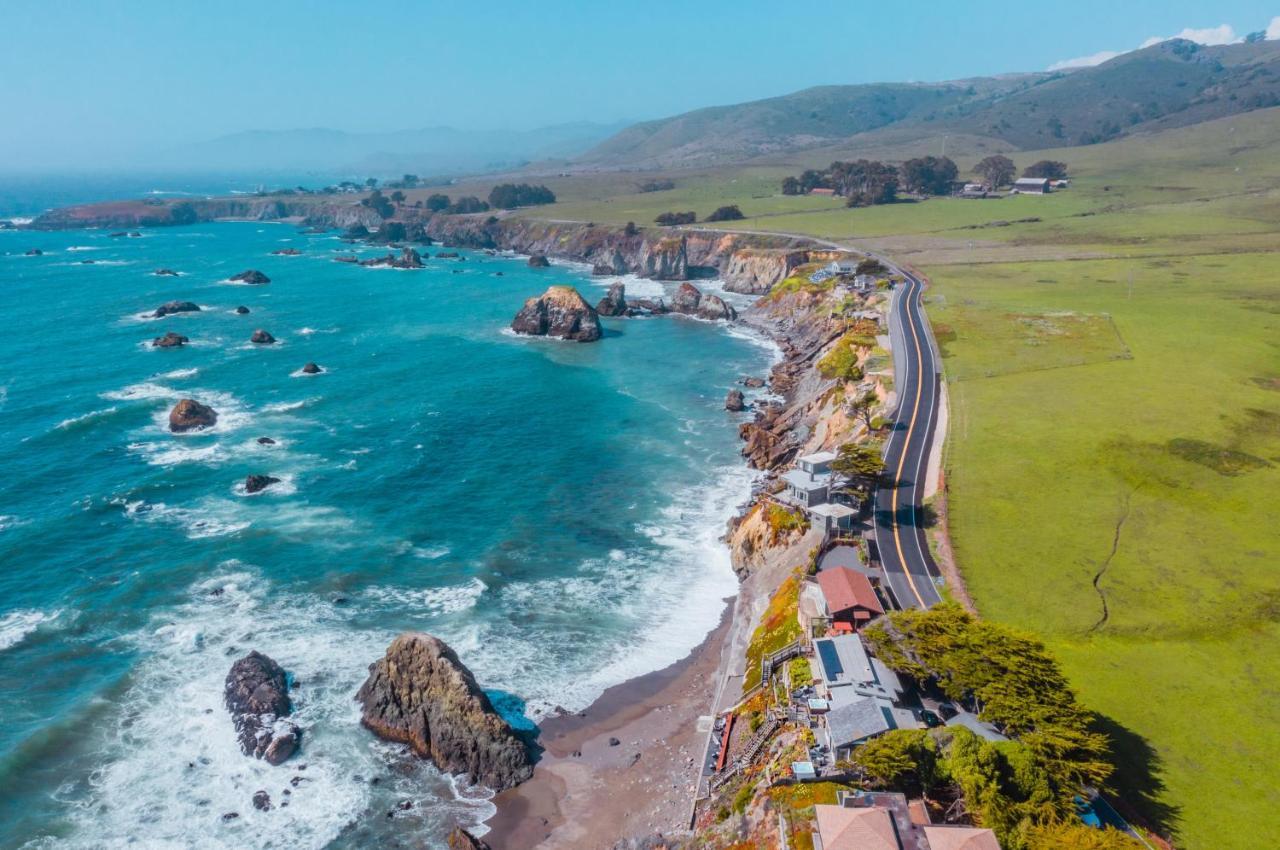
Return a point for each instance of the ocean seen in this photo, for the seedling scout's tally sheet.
(552, 510)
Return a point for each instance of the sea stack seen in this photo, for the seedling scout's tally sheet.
(252, 276)
(615, 302)
(311, 369)
(690, 301)
(191, 415)
(537, 261)
(420, 694)
(735, 402)
(261, 337)
(257, 695)
(168, 308)
(559, 312)
(242, 310)
(169, 340)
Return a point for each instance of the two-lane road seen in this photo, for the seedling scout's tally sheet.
(904, 552)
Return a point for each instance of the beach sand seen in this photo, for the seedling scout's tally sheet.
(587, 794)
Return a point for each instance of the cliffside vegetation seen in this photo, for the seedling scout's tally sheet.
(778, 627)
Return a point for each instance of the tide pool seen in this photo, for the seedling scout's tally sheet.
(552, 510)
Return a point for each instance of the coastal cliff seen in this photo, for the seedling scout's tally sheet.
(749, 263)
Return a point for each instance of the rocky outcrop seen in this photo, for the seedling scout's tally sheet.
(266, 441)
(753, 383)
(33, 252)
(614, 302)
(286, 252)
(242, 310)
(261, 337)
(169, 340)
(257, 695)
(168, 308)
(251, 276)
(559, 312)
(409, 258)
(165, 273)
(258, 483)
(460, 839)
(754, 271)
(537, 261)
(311, 369)
(690, 301)
(735, 401)
(191, 415)
(647, 307)
(420, 694)
(602, 270)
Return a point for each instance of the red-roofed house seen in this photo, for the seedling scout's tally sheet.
(851, 600)
(960, 838)
(843, 828)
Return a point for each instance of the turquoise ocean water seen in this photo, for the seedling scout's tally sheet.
(553, 510)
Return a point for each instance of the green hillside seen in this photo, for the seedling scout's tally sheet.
(1176, 83)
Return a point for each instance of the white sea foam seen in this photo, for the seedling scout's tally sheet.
(83, 248)
(169, 767)
(179, 374)
(16, 625)
(432, 601)
(85, 418)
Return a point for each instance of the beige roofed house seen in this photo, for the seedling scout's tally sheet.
(844, 828)
(960, 838)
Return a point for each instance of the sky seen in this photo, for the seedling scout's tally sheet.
(97, 83)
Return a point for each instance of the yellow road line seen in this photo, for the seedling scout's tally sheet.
(902, 461)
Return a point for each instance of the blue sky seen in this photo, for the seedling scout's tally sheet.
(82, 82)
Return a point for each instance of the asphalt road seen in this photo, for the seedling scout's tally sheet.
(908, 564)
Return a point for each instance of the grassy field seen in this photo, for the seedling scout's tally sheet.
(1113, 464)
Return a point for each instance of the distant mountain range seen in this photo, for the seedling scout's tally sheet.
(1170, 84)
(428, 151)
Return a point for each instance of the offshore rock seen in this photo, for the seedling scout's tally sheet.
(242, 310)
(615, 302)
(537, 261)
(261, 337)
(311, 369)
(191, 415)
(559, 312)
(602, 270)
(168, 308)
(252, 276)
(165, 273)
(690, 301)
(257, 695)
(258, 483)
(735, 401)
(420, 694)
(409, 259)
(169, 340)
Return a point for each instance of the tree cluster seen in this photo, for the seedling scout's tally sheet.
(671, 219)
(466, 204)
(1049, 168)
(437, 202)
(1017, 686)
(508, 196)
(862, 182)
(655, 185)
(727, 213)
(929, 175)
(997, 170)
(861, 463)
(379, 204)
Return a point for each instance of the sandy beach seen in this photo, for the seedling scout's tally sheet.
(587, 792)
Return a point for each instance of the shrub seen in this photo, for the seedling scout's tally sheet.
(782, 521)
(631, 229)
(655, 185)
(379, 204)
(841, 362)
(727, 213)
(466, 204)
(437, 202)
(670, 219)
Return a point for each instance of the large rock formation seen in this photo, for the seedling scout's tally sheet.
(261, 337)
(460, 839)
(420, 694)
(690, 301)
(735, 402)
(191, 415)
(257, 695)
(169, 340)
(168, 308)
(252, 276)
(615, 302)
(537, 261)
(560, 312)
